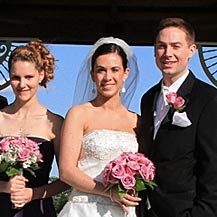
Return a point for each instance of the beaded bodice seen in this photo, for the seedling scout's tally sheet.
(101, 146)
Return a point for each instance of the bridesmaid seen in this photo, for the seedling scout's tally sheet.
(31, 66)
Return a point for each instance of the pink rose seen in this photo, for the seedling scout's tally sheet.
(130, 171)
(132, 157)
(134, 165)
(139, 154)
(128, 181)
(171, 97)
(32, 145)
(176, 102)
(147, 171)
(108, 178)
(24, 154)
(121, 160)
(39, 155)
(179, 102)
(16, 141)
(118, 171)
(144, 161)
(4, 145)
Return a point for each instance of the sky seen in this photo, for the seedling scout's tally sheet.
(58, 95)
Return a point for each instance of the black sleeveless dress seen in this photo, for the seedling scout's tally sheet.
(35, 208)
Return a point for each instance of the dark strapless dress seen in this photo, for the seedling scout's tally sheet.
(35, 208)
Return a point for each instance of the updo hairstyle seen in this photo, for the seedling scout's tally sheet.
(38, 54)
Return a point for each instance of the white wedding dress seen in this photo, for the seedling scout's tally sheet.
(99, 147)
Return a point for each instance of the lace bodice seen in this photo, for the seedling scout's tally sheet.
(98, 148)
(101, 146)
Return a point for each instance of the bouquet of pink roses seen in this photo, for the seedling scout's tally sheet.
(129, 171)
(18, 153)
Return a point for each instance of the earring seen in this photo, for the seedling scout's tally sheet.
(123, 89)
(93, 90)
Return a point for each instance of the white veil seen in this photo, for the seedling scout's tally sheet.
(84, 85)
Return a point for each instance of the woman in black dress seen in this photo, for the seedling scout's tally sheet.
(30, 66)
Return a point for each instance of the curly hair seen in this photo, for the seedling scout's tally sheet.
(38, 54)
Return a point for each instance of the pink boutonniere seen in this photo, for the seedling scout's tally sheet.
(177, 103)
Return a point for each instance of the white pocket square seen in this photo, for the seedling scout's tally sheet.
(181, 119)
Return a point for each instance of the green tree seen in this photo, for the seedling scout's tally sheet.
(61, 198)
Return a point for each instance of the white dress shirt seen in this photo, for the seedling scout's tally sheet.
(162, 106)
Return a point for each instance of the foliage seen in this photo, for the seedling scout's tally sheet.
(60, 199)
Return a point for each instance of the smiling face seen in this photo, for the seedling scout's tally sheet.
(24, 79)
(108, 74)
(172, 53)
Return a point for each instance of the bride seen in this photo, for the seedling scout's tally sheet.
(99, 130)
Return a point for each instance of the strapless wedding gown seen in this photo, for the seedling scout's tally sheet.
(99, 147)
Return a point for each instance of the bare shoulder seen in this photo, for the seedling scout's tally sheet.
(2, 117)
(54, 118)
(78, 118)
(6, 113)
(54, 122)
(79, 111)
(54, 115)
(134, 117)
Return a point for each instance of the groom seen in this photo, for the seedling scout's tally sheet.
(182, 145)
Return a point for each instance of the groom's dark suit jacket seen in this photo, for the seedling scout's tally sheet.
(185, 157)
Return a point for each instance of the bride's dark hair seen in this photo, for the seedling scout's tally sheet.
(85, 85)
(109, 48)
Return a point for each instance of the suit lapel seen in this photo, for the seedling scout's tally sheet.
(154, 105)
(187, 86)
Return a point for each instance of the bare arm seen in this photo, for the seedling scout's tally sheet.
(4, 187)
(71, 145)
